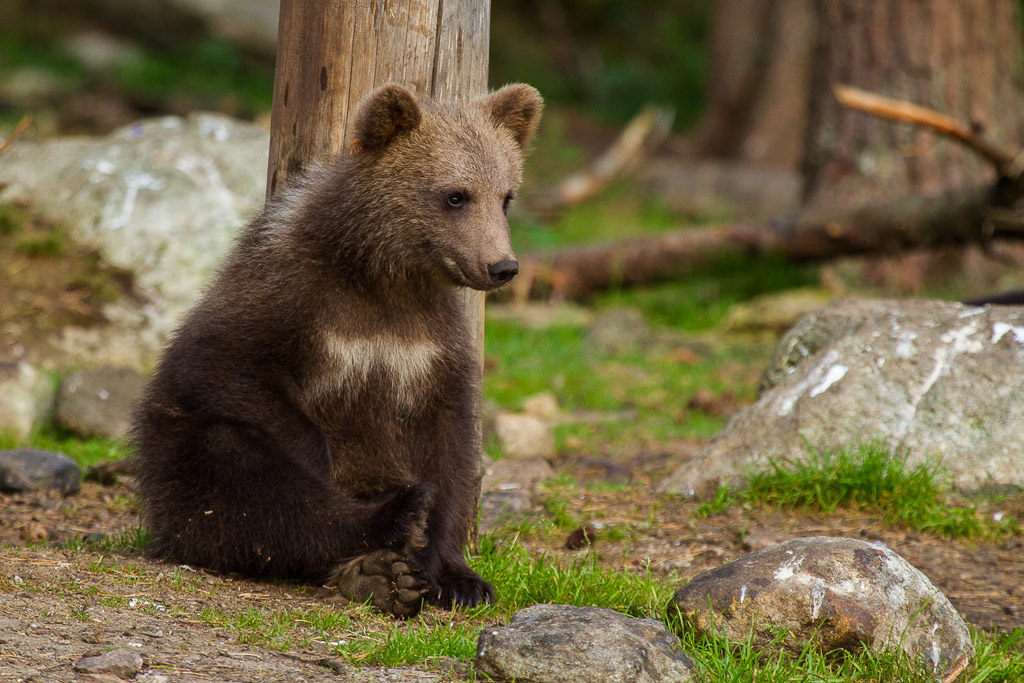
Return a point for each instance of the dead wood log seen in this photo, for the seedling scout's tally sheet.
(579, 272)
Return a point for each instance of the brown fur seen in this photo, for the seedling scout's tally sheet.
(316, 407)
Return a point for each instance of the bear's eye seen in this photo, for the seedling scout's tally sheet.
(508, 200)
(456, 200)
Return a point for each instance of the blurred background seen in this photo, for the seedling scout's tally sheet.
(695, 187)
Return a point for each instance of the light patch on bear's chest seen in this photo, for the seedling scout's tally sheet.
(350, 362)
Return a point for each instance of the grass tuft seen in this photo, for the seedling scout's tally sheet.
(867, 477)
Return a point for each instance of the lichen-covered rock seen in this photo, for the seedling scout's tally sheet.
(98, 402)
(938, 379)
(161, 199)
(838, 593)
(27, 469)
(565, 644)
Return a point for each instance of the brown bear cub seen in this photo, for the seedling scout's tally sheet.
(314, 416)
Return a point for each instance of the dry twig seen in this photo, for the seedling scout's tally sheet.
(647, 129)
(18, 131)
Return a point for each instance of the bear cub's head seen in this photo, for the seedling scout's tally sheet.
(440, 176)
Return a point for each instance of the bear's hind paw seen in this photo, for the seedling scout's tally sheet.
(385, 579)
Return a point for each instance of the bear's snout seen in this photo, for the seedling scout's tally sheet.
(502, 271)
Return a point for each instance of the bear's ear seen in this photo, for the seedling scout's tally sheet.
(517, 108)
(383, 115)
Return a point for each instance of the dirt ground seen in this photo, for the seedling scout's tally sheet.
(59, 605)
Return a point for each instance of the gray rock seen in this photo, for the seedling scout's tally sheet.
(98, 402)
(509, 488)
(121, 662)
(524, 436)
(837, 593)
(26, 397)
(556, 643)
(161, 198)
(941, 380)
(499, 508)
(26, 469)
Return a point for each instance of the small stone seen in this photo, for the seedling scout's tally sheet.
(34, 532)
(563, 644)
(98, 402)
(543, 405)
(516, 475)
(498, 508)
(121, 662)
(524, 436)
(33, 470)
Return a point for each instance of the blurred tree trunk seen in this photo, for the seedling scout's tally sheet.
(760, 73)
(870, 185)
(960, 57)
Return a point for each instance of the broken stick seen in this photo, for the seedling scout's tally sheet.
(1009, 163)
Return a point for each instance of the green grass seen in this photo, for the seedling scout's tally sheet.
(360, 636)
(866, 477)
(701, 299)
(83, 451)
(560, 359)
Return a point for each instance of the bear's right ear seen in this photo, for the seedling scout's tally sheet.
(383, 115)
(516, 108)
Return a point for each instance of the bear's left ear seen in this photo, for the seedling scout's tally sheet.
(517, 108)
(383, 115)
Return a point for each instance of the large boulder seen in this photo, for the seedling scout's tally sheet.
(26, 396)
(835, 593)
(161, 199)
(941, 380)
(565, 644)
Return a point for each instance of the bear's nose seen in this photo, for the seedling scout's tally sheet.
(503, 271)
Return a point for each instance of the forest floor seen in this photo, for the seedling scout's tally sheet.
(62, 599)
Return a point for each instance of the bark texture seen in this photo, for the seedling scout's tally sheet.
(960, 57)
(759, 81)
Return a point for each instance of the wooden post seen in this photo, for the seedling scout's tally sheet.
(330, 53)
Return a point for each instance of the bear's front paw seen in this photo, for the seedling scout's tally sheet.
(386, 579)
(461, 587)
(401, 522)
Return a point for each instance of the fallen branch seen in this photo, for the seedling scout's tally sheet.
(643, 133)
(580, 272)
(1009, 163)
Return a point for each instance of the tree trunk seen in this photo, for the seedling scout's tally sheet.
(961, 57)
(758, 82)
(331, 53)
